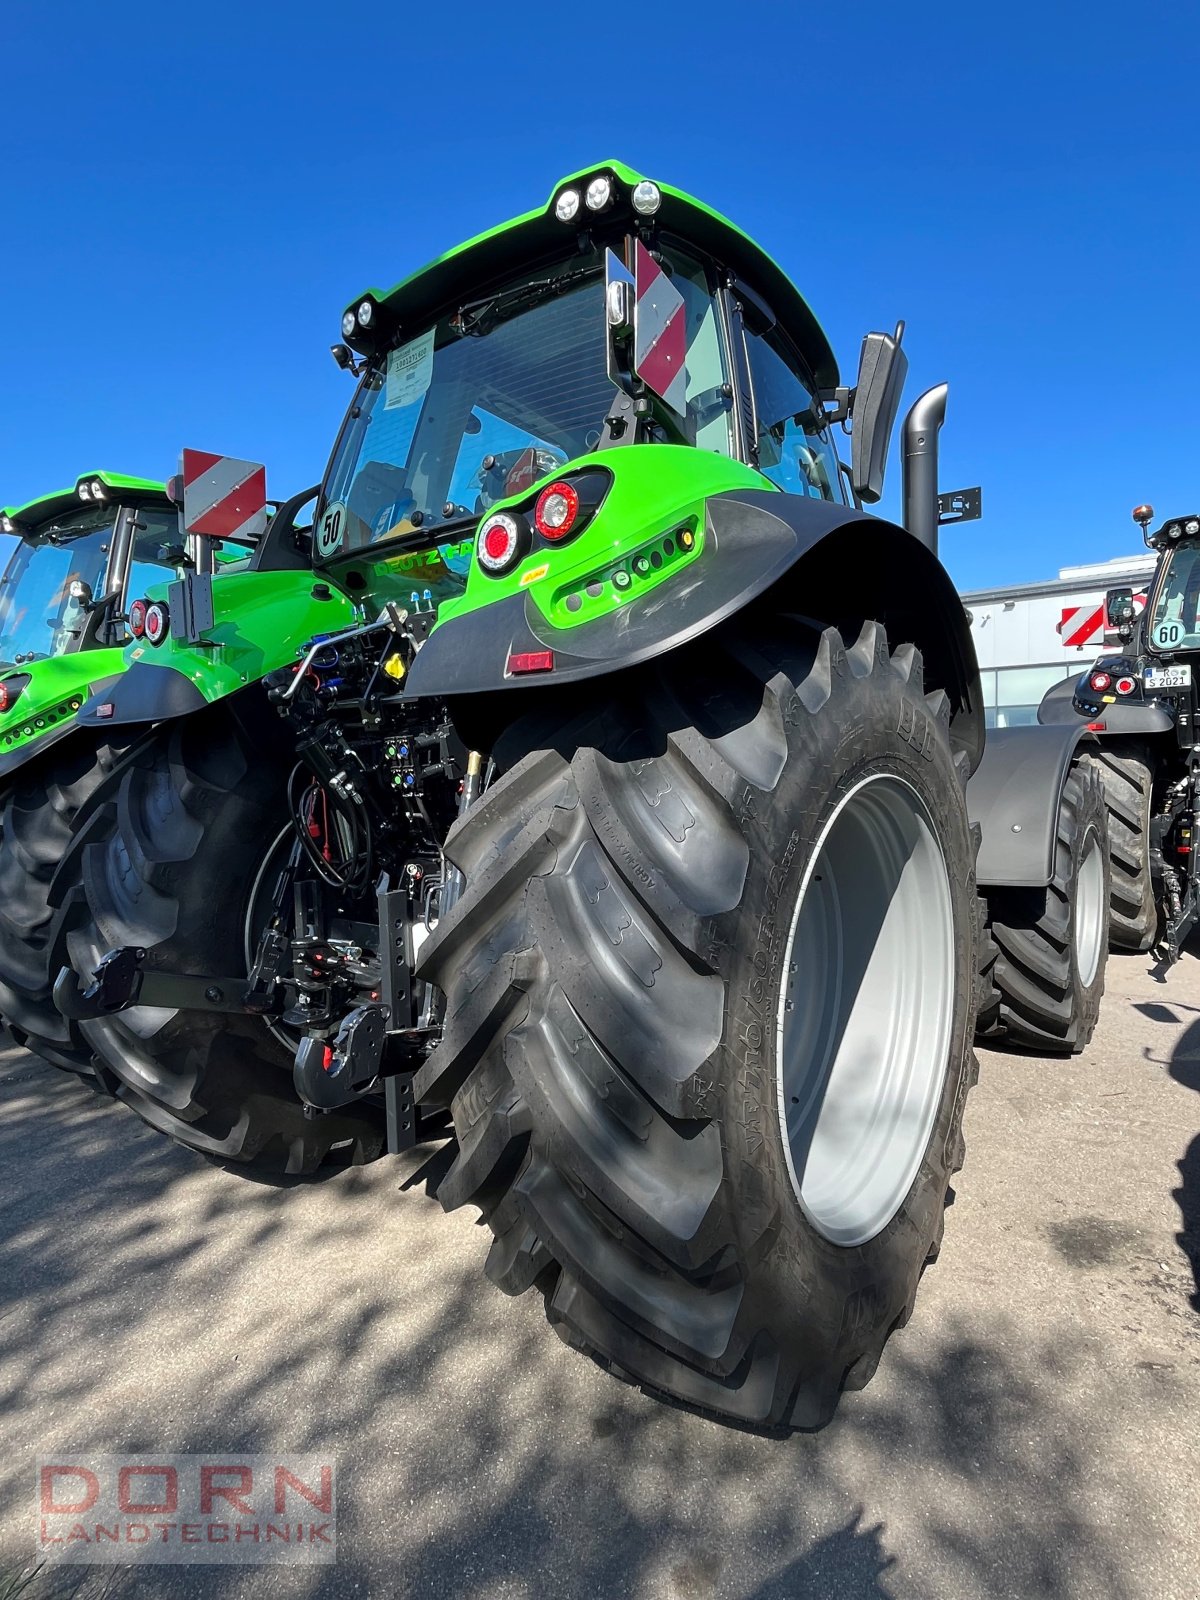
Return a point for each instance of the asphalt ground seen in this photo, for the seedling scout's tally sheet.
(1032, 1432)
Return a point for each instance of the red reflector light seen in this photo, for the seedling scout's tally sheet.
(556, 510)
(157, 622)
(496, 541)
(327, 1059)
(531, 661)
(6, 699)
(137, 619)
(501, 542)
(1097, 727)
(1099, 680)
(1125, 685)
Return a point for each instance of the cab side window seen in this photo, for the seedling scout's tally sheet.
(156, 538)
(707, 391)
(794, 450)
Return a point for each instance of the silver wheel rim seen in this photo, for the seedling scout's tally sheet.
(866, 1013)
(1088, 929)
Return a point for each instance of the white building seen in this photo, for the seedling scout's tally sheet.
(1033, 635)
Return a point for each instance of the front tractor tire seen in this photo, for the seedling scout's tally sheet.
(1125, 769)
(169, 862)
(710, 1005)
(38, 807)
(1050, 945)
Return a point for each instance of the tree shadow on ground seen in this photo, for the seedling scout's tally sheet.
(151, 1303)
(1184, 1067)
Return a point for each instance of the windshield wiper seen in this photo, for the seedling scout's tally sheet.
(478, 317)
(60, 536)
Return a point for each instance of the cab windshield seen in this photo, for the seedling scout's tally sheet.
(1173, 620)
(494, 397)
(39, 616)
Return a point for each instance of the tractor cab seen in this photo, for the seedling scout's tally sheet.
(500, 384)
(70, 597)
(1151, 661)
(1172, 620)
(79, 552)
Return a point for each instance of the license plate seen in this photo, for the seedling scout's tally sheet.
(1168, 677)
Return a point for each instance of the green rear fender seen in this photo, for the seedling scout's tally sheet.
(46, 708)
(260, 621)
(682, 541)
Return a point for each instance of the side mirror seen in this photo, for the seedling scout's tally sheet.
(882, 369)
(1118, 607)
(1118, 616)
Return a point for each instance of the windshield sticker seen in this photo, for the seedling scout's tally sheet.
(409, 371)
(328, 532)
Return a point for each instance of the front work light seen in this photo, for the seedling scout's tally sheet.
(599, 193)
(566, 207)
(647, 198)
(348, 325)
(366, 314)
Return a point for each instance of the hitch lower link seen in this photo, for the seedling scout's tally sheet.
(329, 1073)
(120, 980)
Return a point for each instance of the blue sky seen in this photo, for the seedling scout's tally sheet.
(190, 198)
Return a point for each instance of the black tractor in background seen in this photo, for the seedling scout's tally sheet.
(1140, 703)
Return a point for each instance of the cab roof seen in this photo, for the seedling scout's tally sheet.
(538, 236)
(119, 488)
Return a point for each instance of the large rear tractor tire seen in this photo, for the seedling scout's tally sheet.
(38, 807)
(170, 862)
(710, 1005)
(1128, 778)
(1051, 944)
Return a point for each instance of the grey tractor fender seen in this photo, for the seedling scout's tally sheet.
(833, 563)
(142, 693)
(1014, 796)
(1122, 717)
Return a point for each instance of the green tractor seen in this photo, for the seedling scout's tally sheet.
(63, 627)
(158, 852)
(627, 822)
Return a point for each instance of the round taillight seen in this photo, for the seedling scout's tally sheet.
(556, 511)
(1125, 685)
(137, 619)
(1099, 680)
(6, 699)
(157, 622)
(499, 542)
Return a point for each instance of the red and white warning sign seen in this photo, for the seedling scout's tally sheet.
(1080, 625)
(659, 331)
(222, 497)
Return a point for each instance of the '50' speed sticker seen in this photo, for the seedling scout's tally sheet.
(330, 527)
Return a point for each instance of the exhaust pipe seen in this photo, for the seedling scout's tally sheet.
(920, 436)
